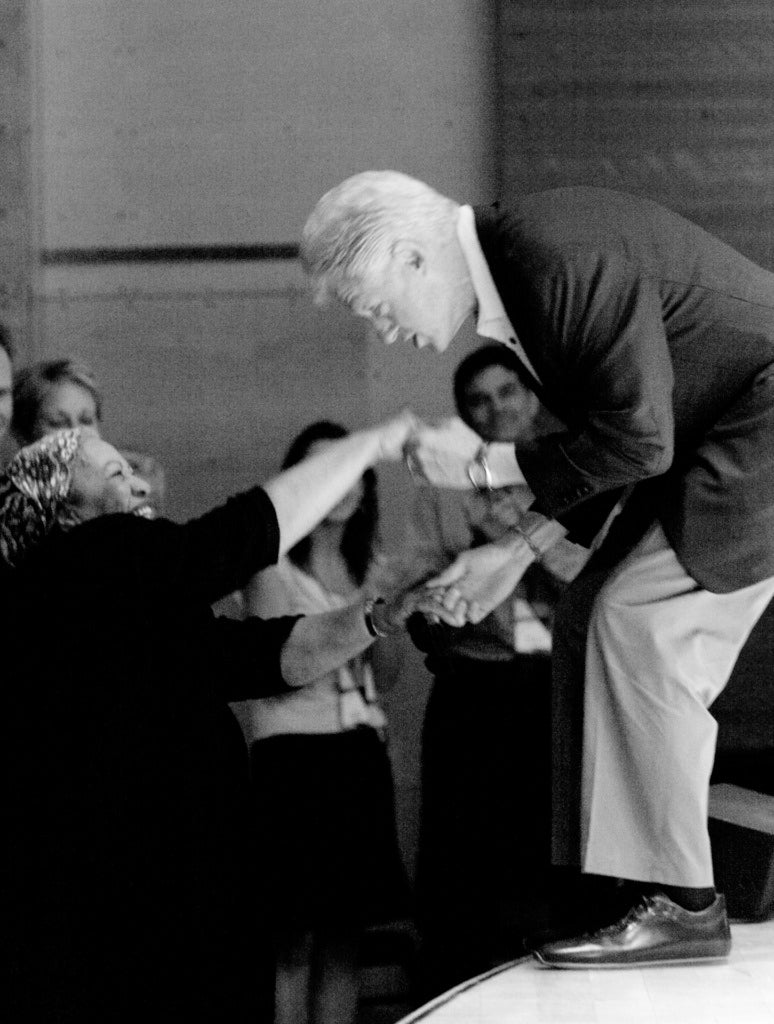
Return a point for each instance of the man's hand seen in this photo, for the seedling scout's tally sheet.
(482, 578)
(391, 614)
(440, 455)
(393, 435)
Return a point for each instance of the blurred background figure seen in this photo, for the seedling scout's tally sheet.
(55, 394)
(6, 386)
(483, 872)
(322, 775)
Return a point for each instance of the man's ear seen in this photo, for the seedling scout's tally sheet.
(408, 253)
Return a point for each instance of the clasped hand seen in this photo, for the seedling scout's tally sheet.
(440, 454)
(480, 579)
(434, 454)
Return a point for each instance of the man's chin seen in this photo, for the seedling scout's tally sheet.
(436, 344)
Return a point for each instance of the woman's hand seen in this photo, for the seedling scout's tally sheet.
(440, 455)
(318, 644)
(390, 615)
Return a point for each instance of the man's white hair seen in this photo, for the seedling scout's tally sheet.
(354, 226)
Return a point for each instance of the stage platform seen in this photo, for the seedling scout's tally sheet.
(739, 991)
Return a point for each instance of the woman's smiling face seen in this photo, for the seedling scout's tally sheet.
(103, 482)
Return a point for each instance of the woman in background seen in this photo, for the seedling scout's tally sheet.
(323, 782)
(58, 394)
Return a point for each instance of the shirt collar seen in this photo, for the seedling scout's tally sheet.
(493, 321)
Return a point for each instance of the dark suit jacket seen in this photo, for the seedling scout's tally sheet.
(654, 343)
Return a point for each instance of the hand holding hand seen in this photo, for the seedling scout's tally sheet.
(440, 454)
(390, 615)
(480, 579)
(393, 434)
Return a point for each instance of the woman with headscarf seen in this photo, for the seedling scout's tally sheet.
(127, 895)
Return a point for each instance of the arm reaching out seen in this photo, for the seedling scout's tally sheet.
(442, 454)
(318, 644)
(482, 578)
(305, 493)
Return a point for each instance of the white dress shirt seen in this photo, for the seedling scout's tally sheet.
(492, 321)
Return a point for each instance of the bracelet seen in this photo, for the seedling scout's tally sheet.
(478, 467)
(368, 615)
(529, 542)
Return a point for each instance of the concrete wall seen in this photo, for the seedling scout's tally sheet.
(15, 170)
(191, 123)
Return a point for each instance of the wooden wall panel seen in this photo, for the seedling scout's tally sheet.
(673, 100)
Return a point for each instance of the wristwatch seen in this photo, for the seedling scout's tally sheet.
(368, 615)
(479, 473)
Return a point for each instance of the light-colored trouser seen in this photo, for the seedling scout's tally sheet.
(659, 650)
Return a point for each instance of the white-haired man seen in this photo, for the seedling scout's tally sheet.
(653, 342)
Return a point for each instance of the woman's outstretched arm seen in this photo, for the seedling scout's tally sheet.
(304, 494)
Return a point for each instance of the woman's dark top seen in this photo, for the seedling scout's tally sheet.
(130, 844)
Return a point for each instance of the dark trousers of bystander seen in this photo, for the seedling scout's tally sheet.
(483, 870)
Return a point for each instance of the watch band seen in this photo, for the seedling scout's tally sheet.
(368, 615)
(528, 541)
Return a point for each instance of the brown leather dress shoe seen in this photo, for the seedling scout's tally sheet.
(656, 931)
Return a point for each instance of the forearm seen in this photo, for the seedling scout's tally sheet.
(319, 644)
(538, 532)
(305, 493)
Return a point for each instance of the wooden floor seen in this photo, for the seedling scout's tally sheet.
(739, 991)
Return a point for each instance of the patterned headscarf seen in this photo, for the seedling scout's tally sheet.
(33, 493)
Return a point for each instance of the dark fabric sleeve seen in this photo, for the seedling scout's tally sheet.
(584, 522)
(244, 656)
(199, 561)
(611, 345)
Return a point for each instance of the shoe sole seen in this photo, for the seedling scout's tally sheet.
(621, 964)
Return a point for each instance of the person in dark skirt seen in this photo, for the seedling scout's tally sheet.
(322, 774)
(127, 893)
